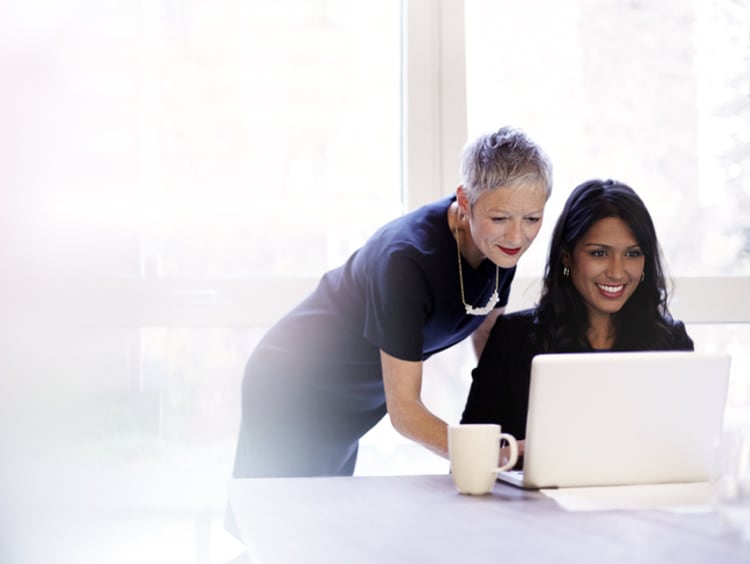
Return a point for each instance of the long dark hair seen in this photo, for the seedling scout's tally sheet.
(562, 317)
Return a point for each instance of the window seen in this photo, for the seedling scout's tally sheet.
(181, 173)
(651, 94)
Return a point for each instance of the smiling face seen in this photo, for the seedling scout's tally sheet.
(504, 222)
(606, 266)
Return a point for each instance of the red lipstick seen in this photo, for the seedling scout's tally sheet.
(510, 252)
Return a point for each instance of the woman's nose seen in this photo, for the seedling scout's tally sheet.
(514, 234)
(616, 268)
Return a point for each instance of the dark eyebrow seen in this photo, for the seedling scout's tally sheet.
(603, 246)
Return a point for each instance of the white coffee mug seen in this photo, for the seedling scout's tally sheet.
(474, 450)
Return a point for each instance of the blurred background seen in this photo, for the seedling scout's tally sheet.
(179, 173)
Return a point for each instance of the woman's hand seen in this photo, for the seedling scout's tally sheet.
(402, 380)
(505, 453)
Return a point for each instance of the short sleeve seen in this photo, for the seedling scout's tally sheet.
(397, 304)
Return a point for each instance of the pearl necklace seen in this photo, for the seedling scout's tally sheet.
(494, 298)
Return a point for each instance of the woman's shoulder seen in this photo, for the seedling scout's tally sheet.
(415, 234)
(521, 318)
(674, 325)
(517, 325)
(678, 334)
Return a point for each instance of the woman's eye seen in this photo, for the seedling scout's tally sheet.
(598, 253)
(635, 254)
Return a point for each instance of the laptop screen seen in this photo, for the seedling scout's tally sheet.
(624, 417)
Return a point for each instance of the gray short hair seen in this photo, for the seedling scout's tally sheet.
(502, 158)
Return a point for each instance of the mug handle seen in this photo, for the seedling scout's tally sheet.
(513, 452)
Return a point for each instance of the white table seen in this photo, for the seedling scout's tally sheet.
(421, 519)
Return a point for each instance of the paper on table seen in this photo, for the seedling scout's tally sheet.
(681, 498)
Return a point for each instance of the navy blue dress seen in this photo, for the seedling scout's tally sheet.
(313, 385)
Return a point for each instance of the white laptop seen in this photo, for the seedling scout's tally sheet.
(622, 418)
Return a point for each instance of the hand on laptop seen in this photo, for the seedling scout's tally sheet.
(505, 452)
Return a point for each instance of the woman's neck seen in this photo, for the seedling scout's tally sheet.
(461, 230)
(601, 332)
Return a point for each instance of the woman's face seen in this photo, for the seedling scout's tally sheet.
(606, 266)
(505, 221)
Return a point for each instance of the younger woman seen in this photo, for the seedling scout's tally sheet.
(604, 290)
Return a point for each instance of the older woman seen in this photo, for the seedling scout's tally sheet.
(330, 369)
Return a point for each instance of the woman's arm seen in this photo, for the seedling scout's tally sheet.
(481, 334)
(499, 388)
(402, 380)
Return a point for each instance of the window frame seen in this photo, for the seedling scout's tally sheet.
(434, 129)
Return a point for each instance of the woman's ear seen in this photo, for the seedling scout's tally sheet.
(565, 264)
(463, 201)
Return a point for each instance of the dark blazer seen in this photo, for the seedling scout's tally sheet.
(499, 390)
